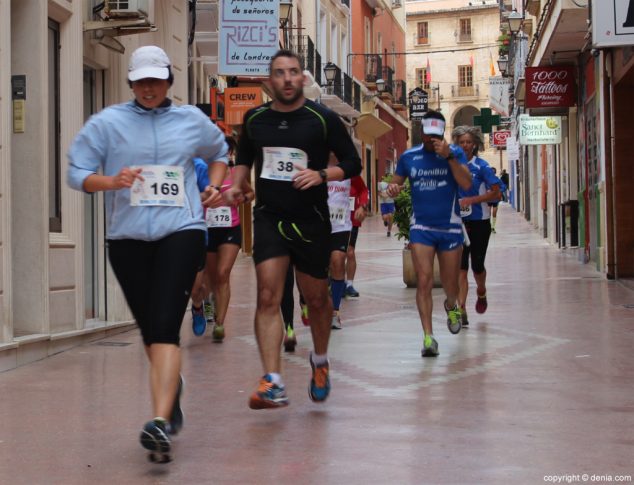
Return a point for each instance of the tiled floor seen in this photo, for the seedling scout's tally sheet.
(540, 385)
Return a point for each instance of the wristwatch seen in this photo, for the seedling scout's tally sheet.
(323, 175)
(450, 156)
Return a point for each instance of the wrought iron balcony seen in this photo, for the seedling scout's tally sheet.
(387, 74)
(373, 67)
(465, 91)
(304, 46)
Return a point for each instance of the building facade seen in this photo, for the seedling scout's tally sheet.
(453, 49)
(574, 191)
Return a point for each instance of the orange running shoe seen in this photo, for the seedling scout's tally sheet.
(268, 395)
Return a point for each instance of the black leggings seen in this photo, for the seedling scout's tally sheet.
(157, 278)
(288, 305)
(479, 234)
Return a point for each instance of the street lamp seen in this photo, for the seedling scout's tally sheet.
(330, 71)
(503, 64)
(380, 85)
(286, 6)
(515, 20)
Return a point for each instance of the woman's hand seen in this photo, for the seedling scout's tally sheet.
(125, 178)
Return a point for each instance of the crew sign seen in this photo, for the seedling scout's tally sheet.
(550, 87)
(248, 36)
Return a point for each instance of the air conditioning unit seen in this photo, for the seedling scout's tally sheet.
(396, 3)
(123, 9)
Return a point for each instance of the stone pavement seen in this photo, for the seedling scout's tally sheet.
(539, 385)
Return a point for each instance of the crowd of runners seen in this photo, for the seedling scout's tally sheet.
(173, 183)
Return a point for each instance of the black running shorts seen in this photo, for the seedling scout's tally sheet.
(306, 243)
(353, 236)
(339, 241)
(217, 236)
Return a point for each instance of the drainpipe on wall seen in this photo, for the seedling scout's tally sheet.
(612, 267)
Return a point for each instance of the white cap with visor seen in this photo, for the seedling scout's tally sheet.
(433, 127)
(148, 61)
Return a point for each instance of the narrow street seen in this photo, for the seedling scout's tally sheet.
(539, 385)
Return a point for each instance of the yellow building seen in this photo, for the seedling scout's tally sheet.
(452, 48)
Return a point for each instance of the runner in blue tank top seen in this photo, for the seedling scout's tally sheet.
(476, 214)
(435, 171)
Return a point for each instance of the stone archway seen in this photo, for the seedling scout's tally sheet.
(464, 116)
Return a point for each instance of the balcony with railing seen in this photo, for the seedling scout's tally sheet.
(304, 46)
(465, 37)
(387, 74)
(373, 67)
(342, 94)
(458, 91)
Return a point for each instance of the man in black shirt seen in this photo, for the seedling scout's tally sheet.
(289, 140)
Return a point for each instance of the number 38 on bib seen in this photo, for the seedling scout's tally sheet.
(281, 163)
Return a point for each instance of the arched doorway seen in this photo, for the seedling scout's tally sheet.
(464, 116)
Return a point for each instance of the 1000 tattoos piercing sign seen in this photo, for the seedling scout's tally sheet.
(550, 87)
(249, 36)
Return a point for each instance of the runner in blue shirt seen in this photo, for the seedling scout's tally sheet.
(435, 171)
(476, 214)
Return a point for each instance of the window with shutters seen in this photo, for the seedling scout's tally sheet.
(423, 33)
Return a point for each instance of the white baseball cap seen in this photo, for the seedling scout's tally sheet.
(433, 126)
(148, 61)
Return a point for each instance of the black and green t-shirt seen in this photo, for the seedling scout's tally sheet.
(313, 129)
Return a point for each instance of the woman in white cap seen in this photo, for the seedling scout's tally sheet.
(141, 154)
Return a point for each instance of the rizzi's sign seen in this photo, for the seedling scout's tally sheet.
(550, 87)
(248, 37)
(540, 130)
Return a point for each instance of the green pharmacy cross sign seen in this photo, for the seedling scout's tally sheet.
(486, 121)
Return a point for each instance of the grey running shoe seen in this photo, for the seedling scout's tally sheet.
(430, 347)
(154, 437)
(465, 319)
(336, 321)
(454, 318)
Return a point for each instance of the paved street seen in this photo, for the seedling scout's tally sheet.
(538, 385)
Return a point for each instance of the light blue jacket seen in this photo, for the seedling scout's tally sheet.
(126, 134)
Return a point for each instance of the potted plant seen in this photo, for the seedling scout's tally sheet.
(504, 41)
(402, 218)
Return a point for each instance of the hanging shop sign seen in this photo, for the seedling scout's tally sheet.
(248, 37)
(512, 148)
(500, 137)
(550, 87)
(540, 130)
(500, 94)
(238, 101)
(613, 23)
(418, 103)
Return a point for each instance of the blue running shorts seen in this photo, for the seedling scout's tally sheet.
(441, 240)
(387, 208)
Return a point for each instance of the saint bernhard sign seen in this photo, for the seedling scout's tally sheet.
(550, 87)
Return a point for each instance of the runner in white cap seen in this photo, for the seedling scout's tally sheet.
(435, 171)
(141, 154)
